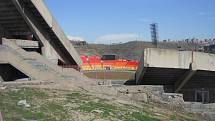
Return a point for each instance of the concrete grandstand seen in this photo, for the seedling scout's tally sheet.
(32, 43)
(186, 72)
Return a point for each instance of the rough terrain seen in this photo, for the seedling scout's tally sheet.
(68, 101)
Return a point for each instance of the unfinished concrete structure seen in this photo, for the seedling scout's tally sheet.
(32, 43)
(186, 72)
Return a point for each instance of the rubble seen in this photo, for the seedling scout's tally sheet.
(24, 104)
(2, 87)
(1, 118)
(97, 111)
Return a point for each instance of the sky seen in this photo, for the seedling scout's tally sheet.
(114, 21)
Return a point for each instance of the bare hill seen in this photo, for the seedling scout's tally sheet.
(130, 50)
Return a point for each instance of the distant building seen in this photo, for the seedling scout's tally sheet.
(209, 48)
(77, 41)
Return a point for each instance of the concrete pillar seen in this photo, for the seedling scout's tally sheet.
(185, 78)
(1, 35)
(139, 76)
(1, 79)
(49, 52)
(0, 40)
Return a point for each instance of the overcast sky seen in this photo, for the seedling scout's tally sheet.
(112, 21)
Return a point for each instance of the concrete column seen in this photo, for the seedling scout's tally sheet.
(1, 79)
(1, 35)
(0, 39)
(185, 78)
(139, 75)
(49, 52)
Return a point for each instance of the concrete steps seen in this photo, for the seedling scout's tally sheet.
(38, 61)
(36, 66)
(30, 67)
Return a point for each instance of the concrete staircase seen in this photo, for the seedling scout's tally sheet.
(28, 66)
(34, 65)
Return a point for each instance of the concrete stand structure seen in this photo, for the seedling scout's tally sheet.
(32, 44)
(186, 72)
(22, 19)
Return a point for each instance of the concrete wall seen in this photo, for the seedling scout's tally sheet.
(27, 43)
(47, 50)
(165, 58)
(204, 61)
(24, 43)
(207, 110)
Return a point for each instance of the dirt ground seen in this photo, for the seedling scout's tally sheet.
(73, 101)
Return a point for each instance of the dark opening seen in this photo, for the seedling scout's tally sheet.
(202, 96)
(109, 57)
(9, 73)
(38, 50)
(64, 65)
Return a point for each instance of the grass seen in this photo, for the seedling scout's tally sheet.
(108, 111)
(12, 112)
(139, 116)
(56, 105)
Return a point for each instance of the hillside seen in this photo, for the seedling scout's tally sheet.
(130, 50)
(76, 105)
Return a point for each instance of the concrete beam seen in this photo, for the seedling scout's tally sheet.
(185, 78)
(139, 76)
(22, 43)
(58, 32)
(44, 12)
(141, 69)
(30, 23)
(47, 48)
